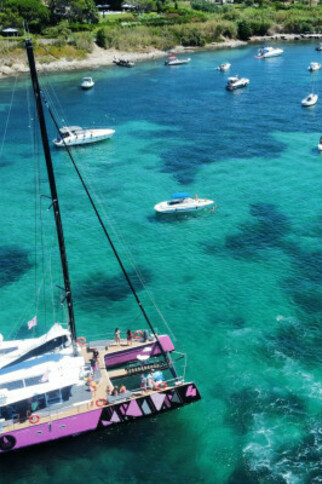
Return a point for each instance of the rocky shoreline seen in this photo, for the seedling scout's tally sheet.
(101, 57)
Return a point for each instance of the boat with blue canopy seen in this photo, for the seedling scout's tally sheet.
(267, 51)
(182, 202)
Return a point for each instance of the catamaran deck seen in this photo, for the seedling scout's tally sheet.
(83, 397)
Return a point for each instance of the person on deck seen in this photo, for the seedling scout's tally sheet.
(129, 337)
(115, 391)
(117, 336)
(143, 382)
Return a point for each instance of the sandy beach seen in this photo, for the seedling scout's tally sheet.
(101, 57)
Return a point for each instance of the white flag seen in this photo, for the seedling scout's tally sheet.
(32, 322)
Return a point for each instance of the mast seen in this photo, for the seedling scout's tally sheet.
(52, 184)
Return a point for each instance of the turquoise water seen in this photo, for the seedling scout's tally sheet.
(240, 287)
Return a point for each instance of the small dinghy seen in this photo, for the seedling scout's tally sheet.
(174, 61)
(87, 83)
(310, 100)
(123, 62)
(314, 66)
(236, 83)
(320, 145)
(224, 67)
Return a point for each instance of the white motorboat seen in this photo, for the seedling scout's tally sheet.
(75, 135)
(174, 61)
(225, 66)
(87, 83)
(310, 100)
(236, 83)
(182, 202)
(320, 145)
(314, 66)
(267, 51)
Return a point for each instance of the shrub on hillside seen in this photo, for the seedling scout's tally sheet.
(83, 41)
(204, 6)
(189, 35)
(244, 30)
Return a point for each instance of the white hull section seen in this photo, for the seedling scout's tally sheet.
(272, 54)
(177, 62)
(87, 86)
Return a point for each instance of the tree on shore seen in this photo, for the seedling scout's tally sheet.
(31, 12)
(74, 11)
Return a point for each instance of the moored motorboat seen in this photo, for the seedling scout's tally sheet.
(320, 144)
(87, 83)
(182, 202)
(174, 61)
(123, 62)
(314, 66)
(75, 135)
(267, 51)
(225, 66)
(310, 100)
(236, 82)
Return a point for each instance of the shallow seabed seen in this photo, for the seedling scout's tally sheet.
(240, 287)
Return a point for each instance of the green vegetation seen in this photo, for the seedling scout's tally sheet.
(73, 25)
(203, 24)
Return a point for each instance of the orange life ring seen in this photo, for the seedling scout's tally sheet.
(162, 385)
(34, 419)
(81, 341)
(101, 402)
(138, 334)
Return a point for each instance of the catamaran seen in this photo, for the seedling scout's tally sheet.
(60, 384)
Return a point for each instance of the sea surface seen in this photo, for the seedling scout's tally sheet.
(240, 287)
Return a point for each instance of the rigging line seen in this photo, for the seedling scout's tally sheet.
(165, 355)
(55, 101)
(36, 202)
(131, 260)
(116, 232)
(120, 238)
(8, 117)
(50, 272)
(50, 265)
(32, 139)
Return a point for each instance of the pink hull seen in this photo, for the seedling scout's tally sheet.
(100, 418)
(121, 357)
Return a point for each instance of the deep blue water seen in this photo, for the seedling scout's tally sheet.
(240, 287)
